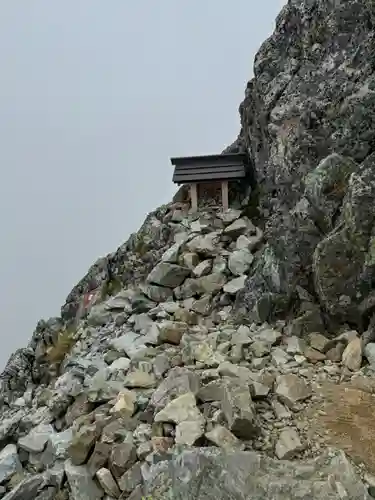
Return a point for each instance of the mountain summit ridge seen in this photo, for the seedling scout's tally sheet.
(230, 354)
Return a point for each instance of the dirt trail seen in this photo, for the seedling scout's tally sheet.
(345, 418)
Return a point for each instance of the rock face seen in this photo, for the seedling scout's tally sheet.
(307, 123)
(211, 474)
(185, 364)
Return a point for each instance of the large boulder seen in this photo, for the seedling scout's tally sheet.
(344, 261)
(213, 474)
(308, 123)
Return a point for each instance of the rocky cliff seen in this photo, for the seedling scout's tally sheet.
(226, 355)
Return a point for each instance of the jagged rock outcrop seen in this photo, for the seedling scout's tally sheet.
(194, 361)
(312, 96)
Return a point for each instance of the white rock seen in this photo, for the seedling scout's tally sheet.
(239, 261)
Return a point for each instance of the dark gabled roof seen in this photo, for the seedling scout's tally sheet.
(209, 167)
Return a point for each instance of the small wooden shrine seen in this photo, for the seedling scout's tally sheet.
(209, 172)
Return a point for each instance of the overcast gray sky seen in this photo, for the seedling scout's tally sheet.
(95, 97)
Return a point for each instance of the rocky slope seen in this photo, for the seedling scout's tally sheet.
(226, 355)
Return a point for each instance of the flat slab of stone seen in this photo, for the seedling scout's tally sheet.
(167, 274)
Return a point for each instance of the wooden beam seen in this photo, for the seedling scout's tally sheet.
(194, 197)
(224, 195)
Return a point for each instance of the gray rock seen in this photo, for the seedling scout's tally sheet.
(141, 322)
(279, 357)
(132, 343)
(239, 261)
(235, 285)
(228, 369)
(55, 475)
(352, 355)
(208, 284)
(369, 352)
(120, 364)
(291, 389)
(229, 215)
(205, 245)
(213, 391)
(119, 302)
(221, 437)
(318, 341)
(203, 305)
(238, 227)
(179, 381)
(288, 444)
(239, 409)
(57, 446)
(188, 432)
(161, 365)
(99, 457)
(122, 457)
(310, 321)
(169, 275)
(171, 255)
(214, 474)
(124, 405)
(203, 268)
(82, 443)
(99, 315)
(157, 293)
(9, 462)
(9, 424)
(100, 388)
(48, 493)
(190, 260)
(108, 483)
(219, 265)
(250, 242)
(171, 331)
(81, 484)
(131, 479)
(295, 345)
(181, 409)
(28, 489)
(313, 200)
(36, 440)
(138, 378)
